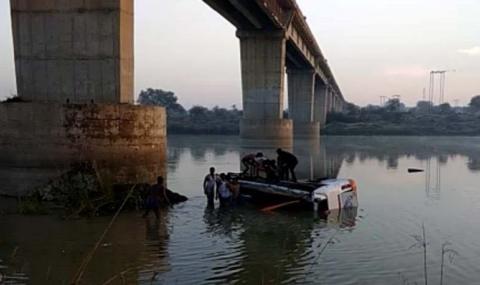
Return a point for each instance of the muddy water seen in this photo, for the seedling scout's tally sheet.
(376, 244)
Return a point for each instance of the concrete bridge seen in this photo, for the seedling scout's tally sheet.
(81, 51)
(275, 37)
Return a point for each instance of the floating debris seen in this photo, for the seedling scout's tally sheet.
(415, 170)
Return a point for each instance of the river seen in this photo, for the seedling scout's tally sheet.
(378, 243)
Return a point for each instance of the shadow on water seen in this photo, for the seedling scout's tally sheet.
(45, 250)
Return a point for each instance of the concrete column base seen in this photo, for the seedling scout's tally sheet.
(39, 141)
(266, 129)
(309, 130)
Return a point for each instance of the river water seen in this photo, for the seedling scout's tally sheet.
(378, 243)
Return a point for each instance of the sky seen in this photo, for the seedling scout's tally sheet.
(374, 47)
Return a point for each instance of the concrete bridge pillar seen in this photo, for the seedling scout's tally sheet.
(338, 108)
(75, 51)
(333, 101)
(74, 67)
(301, 86)
(320, 103)
(263, 56)
(329, 99)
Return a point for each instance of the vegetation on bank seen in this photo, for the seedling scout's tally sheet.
(196, 120)
(394, 118)
(82, 192)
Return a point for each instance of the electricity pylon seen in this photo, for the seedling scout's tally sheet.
(441, 86)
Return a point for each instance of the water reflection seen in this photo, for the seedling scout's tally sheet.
(433, 177)
(391, 149)
(271, 248)
(155, 257)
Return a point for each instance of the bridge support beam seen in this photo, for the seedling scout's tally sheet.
(263, 82)
(301, 86)
(320, 103)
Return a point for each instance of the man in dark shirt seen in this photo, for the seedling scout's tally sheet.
(156, 197)
(286, 164)
(251, 163)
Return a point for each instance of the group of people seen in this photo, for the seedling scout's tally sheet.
(225, 188)
(281, 169)
(221, 187)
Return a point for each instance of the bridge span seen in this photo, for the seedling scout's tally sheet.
(274, 37)
(81, 51)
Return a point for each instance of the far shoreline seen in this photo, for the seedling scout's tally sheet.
(339, 135)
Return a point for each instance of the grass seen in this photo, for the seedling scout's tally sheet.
(422, 242)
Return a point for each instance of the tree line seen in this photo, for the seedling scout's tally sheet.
(197, 119)
(393, 118)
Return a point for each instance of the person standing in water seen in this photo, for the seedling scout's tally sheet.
(209, 184)
(223, 191)
(234, 187)
(157, 195)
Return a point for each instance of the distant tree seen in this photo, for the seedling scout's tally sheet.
(394, 105)
(221, 113)
(475, 103)
(371, 108)
(445, 108)
(159, 97)
(198, 112)
(424, 106)
(352, 109)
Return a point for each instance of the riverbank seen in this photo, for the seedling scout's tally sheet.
(380, 128)
(80, 192)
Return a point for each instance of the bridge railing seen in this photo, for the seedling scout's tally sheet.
(275, 9)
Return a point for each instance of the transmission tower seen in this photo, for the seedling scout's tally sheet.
(441, 86)
(383, 100)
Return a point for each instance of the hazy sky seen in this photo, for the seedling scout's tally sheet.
(375, 48)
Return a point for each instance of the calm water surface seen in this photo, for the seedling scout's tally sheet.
(376, 244)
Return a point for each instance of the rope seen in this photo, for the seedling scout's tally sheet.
(274, 207)
(78, 276)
